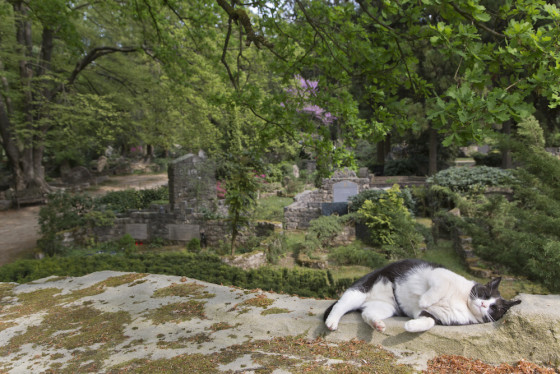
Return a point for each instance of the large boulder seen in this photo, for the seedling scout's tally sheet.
(530, 330)
(113, 322)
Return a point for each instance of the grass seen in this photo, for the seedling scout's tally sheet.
(271, 208)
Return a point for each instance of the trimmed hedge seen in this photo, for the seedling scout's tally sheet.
(204, 267)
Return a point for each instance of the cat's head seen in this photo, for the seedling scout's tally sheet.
(486, 301)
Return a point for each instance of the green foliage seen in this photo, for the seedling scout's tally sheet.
(492, 159)
(123, 201)
(193, 245)
(390, 223)
(205, 267)
(271, 208)
(126, 244)
(97, 218)
(531, 132)
(522, 233)
(355, 255)
(276, 246)
(324, 229)
(64, 211)
(241, 196)
(463, 179)
(374, 195)
(405, 166)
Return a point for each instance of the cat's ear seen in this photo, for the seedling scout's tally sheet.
(494, 283)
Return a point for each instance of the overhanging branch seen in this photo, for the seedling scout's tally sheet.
(241, 16)
(94, 54)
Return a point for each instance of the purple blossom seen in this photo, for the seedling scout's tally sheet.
(306, 88)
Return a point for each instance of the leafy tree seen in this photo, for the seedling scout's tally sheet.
(44, 52)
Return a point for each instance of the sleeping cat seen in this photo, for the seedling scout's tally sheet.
(425, 292)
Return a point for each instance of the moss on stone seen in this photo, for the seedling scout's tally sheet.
(275, 311)
(177, 312)
(193, 290)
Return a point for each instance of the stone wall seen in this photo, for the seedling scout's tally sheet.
(306, 207)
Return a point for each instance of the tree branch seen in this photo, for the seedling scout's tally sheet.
(224, 54)
(479, 24)
(241, 16)
(94, 54)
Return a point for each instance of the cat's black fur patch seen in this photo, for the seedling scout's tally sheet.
(391, 272)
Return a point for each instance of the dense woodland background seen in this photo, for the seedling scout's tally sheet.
(395, 86)
(277, 79)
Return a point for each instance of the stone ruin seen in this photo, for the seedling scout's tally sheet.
(331, 198)
(192, 200)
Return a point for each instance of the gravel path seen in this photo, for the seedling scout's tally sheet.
(19, 228)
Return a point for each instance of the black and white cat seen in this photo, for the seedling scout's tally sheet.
(425, 292)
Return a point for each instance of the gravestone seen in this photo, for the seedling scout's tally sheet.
(183, 232)
(138, 231)
(343, 190)
(192, 183)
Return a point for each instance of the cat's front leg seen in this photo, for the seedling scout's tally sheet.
(429, 298)
(419, 324)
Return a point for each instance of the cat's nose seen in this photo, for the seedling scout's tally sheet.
(482, 304)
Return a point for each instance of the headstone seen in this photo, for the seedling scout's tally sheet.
(183, 232)
(363, 173)
(109, 151)
(79, 174)
(138, 231)
(192, 183)
(101, 163)
(343, 190)
(484, 149)
(295, 171)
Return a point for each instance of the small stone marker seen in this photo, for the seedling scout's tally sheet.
(343, 190)
(183, 232)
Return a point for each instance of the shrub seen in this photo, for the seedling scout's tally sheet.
(374, 195)
(492, 159)
(390, 223)
(123, 201)
(193, 245)
(63, 211)
(324, 229)
(463, 179)
(353, 255)
(523, 233)
(204, 267)
(405, 166)
(276, 246)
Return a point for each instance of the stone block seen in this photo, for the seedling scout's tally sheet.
(183, 232)
(138, 231)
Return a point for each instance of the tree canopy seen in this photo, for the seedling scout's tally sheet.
(227, 75)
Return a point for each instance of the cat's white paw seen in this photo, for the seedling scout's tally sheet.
(331, 323)
(379, 326)
(419, 324)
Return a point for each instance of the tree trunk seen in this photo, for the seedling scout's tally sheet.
(432, 151)
(507, 162)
